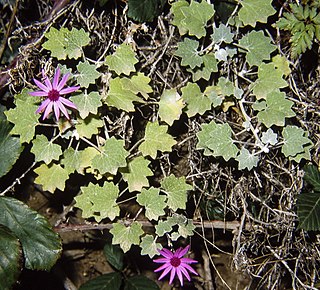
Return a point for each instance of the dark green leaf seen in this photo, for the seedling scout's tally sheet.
(110, 281)
(309, 211)
(144, 10)
(140, 283)
(312, 176)
(10, 148)
(10, 258)
(114, 255)
(40, 244)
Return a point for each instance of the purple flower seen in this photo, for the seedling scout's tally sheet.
(176, 264)
(53, 93)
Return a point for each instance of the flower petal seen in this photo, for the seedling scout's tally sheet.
(63, 82)
(63, 109)
(43, 105)
(56, 110)
(69, 90)
(179, 274)
(38, 94)
(165, 272)
(46, 80)
(188, 260)
(189, 268)
(48, 110)
(173, 273)
(161, 260)
(167, 265)
(41, 86)
(67, 103)
(166, 253)
(56, 78)
(182, 252)
(185, 272)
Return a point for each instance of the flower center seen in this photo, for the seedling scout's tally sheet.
(53, 95)
(175, 262)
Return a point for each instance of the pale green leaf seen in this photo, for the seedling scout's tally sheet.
(51, 177)
(126, 236)
(246, 159)
(163, 227)
(269, 80)
(186, 229)
(269, 137)
(257, 46)
(40, 244)
(88, 126)
(87, 103)
(136, 173)
(156, 139)
(112, 156)
(64, 43)
(222, 34)
(179, 19)
(98, 202)
(86, 157)
(188, 51)
(71, 160)
(277, 109)
(45, 150)
(87, 74)
(137, 84)
(210, 65)
(282, 63)
(123, 60)
(24, 116)
(170, 106)
(253, 11)
(153, 202)
(176, 190)
(149, 246)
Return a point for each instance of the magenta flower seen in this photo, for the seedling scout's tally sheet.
(53, 93)
(176, 264)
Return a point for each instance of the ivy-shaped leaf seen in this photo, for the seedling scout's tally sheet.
(123, 60)
(126, 236)
(98, 202)
(64, 43)
(112, 156)
(153, 202)
(87, 74)
(258, 47)
(246, 159)
(163, 227)
(87, 103)
(222, 34)
(269, 137)
(188, 51)
(176, 190)
(71, 160)
(156, 139)
(40, 244)
(51, 177)
(179, 19)
(253, 11)
(277, 109)
(136, 173)
(89, 126)
(149, 246)
(281, 62)
(186, 229)
(269, 80)
(45, 150)
(210, 65)
(170, 106)
(23, 116)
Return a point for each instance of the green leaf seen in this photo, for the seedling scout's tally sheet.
(136, 173)
(51, 177)
(112, 156)
(87, 103)
(170, 106)
(197, 102)
(153, 202)
(123, 60)
(140, 283)
(45, 150)
(216, 140)
(309, 211)
(156, 139)
(312, 176)
(179, 19)
(40, 244)
(269, 137)
(10, 258)
(87, 74)
(144, 10)
(126, 236)
(253, 11)
(247, 160)
(23, 116)
(269, 80)
(64, 43)
(10, 148)
(110, 281)
(71, 160)
(163, 227)
(210, 65)
(149, 246)
(114, 256)
(295, 139)
(258, 47)
(277, 109)
(98, 202)
(280, 62)
(186, 229)
(176, 190)
(89, 126)
(188, 51)
(222, 34)
(137, 84)
(195, 17)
